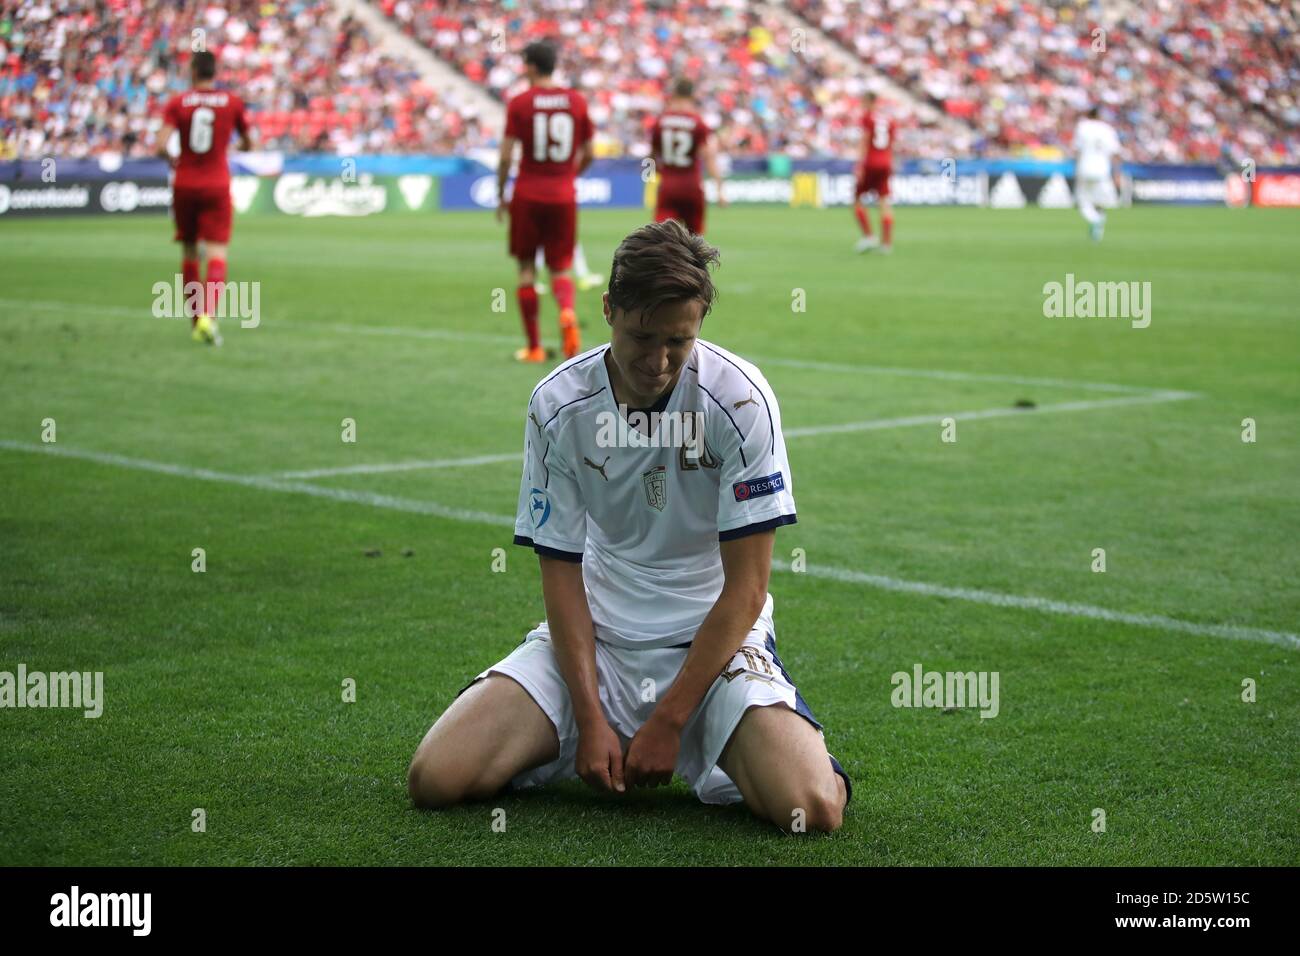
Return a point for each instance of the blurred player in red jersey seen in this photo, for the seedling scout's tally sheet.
(205, 117)
(679, 140)
(873, 174)
(552, 126)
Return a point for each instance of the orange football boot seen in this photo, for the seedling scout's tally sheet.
(569, 333)
(530, 355)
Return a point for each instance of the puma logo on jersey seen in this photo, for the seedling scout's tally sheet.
(747, 401)
(600, 468)
(533, 416)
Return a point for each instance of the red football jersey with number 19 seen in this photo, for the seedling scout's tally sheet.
(205, 120)
(879, 133)
(550, 123)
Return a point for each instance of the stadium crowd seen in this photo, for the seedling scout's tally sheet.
(1022, 72)
(1249, 47)
(1182, 80)
(86, 77)
(760, 89)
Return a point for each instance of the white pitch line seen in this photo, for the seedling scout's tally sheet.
(144, 311)
(811, 431)
(381, 469)
(1048, 606)
(896, 371)
(440, 334)
(266, 484)
(951, 376)
(991, 598)
(932, 419)
(493, 339)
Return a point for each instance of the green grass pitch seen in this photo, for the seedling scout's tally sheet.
(223, 689)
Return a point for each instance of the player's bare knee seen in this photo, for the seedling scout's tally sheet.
(431, 784)
(418, 783)
(812, 808)
(434, 782)
(826, 815)
(812, 812)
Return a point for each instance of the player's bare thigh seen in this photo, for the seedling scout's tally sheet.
(490, 734)
(779, 763)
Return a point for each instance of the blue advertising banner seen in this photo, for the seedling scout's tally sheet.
(327, 164)
(617, 191)
(1178, 185)
(54, 170)
(466, 183)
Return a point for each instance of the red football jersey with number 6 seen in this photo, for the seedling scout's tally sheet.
(550, 124)
(879, 132)
(205, 120)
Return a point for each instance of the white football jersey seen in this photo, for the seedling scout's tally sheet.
(645, 515)
(1095, 142)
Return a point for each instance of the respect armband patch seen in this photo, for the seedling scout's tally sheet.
(758, 487)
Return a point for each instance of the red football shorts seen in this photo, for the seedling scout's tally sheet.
(873, 179)
(202, 214)
(551, 225)
(686, 207)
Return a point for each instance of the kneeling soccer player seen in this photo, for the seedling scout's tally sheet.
(658, 654)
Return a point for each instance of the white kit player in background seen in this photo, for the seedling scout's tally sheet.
(658, 653)
(1095, 146)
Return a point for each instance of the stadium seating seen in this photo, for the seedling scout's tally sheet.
(1182, 80)
(1022, 72)
(762, 93)
(76, 83)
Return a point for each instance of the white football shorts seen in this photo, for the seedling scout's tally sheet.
(1093, 194)
(630, 682)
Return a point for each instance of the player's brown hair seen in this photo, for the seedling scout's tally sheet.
(662, 262)
(541, 56)
(204, 65)
(684, 87)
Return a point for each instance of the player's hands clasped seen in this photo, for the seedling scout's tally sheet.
(653, 754)
(599, 760)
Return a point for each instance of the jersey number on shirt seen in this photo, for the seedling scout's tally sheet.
(675, 146)
(880, 134)
(552, 137)
(201, 130)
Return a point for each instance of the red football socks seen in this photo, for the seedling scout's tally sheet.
(887, 227)
(864, 220)
(216, 280)
(528, 306)
(189, 273)
(564, 294)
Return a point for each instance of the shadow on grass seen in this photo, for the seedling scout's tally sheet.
(562, 803)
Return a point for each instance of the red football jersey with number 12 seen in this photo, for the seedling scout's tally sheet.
(675, 143)
(550, 123)
(879, 133)
(205, 120)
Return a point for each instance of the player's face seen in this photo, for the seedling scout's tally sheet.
(648, 356)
